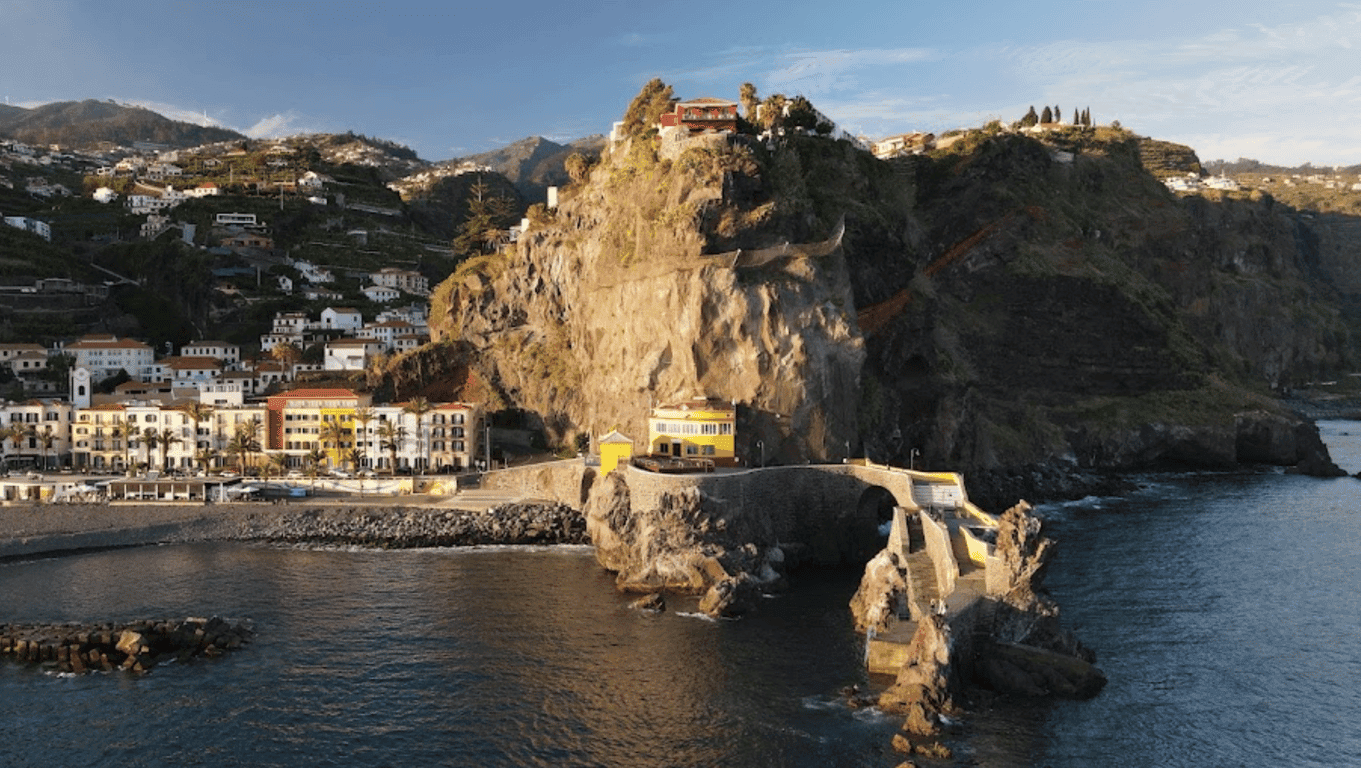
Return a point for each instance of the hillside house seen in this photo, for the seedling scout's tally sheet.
(342, 318)
(913, 143)
(380, 294)
(40, 228)
(351, 354)
(406, 280)
(248, 240)
(224, 352)
(705, 114)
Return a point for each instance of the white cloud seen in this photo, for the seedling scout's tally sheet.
(279, 124)
(196, 117)
(814, 73)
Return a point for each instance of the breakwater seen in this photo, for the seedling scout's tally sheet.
(49, 529)
(136, 646)
(527, 523)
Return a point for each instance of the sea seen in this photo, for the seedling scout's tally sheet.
(1225, 608)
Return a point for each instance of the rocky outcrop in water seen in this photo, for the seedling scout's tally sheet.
(690, 544)
(1009, 641)
(135, 646)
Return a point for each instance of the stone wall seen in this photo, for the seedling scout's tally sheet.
(941, 552)
(566, 482)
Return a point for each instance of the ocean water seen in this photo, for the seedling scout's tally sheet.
(1223, 608)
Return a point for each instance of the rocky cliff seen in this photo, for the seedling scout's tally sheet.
(1021, 310)
(633, 293)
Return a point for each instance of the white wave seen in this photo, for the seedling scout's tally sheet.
(697, 615)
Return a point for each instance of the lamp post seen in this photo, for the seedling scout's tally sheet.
(912, 458)
(762, 445)
(487, 443)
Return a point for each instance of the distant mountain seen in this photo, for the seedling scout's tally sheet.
(535, 163)
(91, 122)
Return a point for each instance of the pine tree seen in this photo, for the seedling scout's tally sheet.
(1087, 117)
(1030, 118)
(487, 218)
(1046, 116)
(1076, 119)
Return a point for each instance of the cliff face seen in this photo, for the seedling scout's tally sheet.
(1000, 308)
(612, 305)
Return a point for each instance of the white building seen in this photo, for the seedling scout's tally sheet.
(227, 354)
(351, 354)
(105, 355)
(406, 280)
(40, 228)
(342, 318)
(380, 294)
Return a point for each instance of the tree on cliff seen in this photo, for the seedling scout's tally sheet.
(486, 222)
(1046, 116)
(647, 107)
(803, 115)
(578, 167)
(772, 112)
(1031, 118)
(750, 101)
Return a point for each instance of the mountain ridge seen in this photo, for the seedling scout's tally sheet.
(91, 122)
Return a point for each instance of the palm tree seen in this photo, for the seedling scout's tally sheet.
(13, 432)
(354, 457)
(277, 464)
(314, 459)
(165, 439)
(119, 432)
(392, 435)
(363, 415)
(333, 431)
(204, 457)
(198, 412)
(419, 406)
(46, 439)
(245, 441)
(150, 439)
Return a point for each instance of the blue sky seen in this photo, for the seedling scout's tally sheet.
(1278, 81)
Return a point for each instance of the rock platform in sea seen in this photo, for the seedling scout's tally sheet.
(137, 646)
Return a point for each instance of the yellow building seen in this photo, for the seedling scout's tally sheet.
(702, 428)
(615, 449)
(295, 423)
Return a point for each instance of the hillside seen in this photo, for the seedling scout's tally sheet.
(90, 123)
(533, 164)
(1005, 307)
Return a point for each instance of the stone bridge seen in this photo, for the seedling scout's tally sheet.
(839, 508)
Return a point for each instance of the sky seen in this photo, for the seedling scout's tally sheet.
(1276, 81)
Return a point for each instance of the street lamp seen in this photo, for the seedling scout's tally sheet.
(912, 458)
(487, 442)
(762, 445)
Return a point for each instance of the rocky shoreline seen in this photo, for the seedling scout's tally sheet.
(53, 529)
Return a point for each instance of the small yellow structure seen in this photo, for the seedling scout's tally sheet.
(614, 448)
(702, 428)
